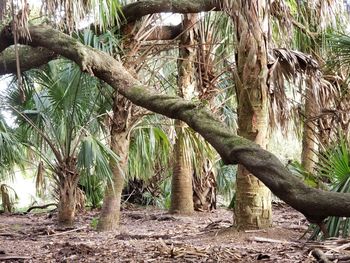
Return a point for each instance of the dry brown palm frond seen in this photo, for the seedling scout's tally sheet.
(8, 198)
(80, 200)
(40, 180)
(335, 108)
(293, 67)
(207, 75)
(69, 12)
(204, 189)
(281, 11)
(3, 9)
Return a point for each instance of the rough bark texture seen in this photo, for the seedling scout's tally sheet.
(253, 198)
(181, 181)
(30, 58)
(315, 204)
(110, 213)
(68, 184)
(67, 202)
(165, 32)
(136, 10)
(5, 199)
(308, 154)
(181, 190)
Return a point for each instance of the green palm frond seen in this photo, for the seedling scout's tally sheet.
(334, 164)
(94, 158)
(225, 179)
(149, 147)
(339, 45)
(107, 42)
(196, 150)
(11, 151)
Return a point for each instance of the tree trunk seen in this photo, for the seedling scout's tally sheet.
(181, 183)
(67, 201)
(110, 213)
(309, 145)
(253, 198)
(182, 194)
(5, 197)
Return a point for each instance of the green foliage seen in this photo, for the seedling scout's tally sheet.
(149, 147)
(106, 42)
(11, 151)
(93, 162)
(334, 164)
(225, 180)
(94, 223)
(58, 121)
(339, 45)
(298, 170)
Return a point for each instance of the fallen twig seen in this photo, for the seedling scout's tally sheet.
(68, 231)
(269, 240)
(8, 257)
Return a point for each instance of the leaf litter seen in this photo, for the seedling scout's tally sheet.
(148, 234)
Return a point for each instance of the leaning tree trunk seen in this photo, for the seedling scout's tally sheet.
(68, 183)
(253, 198)
(181, 187)
(110, 213)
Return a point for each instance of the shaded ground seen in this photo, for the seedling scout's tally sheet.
(152, 235)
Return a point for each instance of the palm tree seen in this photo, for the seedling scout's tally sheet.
(58, 124)
(253, 199)
(181, 192)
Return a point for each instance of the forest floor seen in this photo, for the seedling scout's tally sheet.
(151, 235)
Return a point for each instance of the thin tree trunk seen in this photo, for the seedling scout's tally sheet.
(309, 145)
(253, 198)
(5, 197)
(110, 213)
(182, 193)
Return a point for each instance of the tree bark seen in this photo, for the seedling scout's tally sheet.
(68, 184)
(136, 10)
(253, 198)
(110, 213)
(30, 58)
(181, 190)
(67, 202)
(5, 199)
(181, 181)
(315, 204)
(309, 145)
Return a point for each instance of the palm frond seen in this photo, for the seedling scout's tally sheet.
(334, 164)
(11, 151)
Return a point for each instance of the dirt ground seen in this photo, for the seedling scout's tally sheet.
(152, 235)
